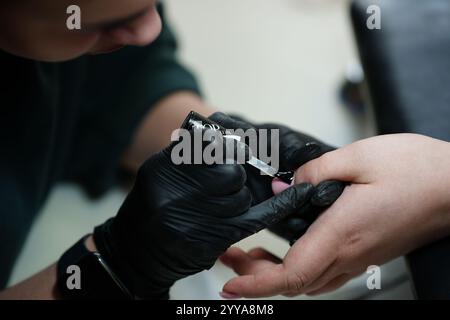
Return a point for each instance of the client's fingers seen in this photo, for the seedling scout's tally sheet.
(262, 254)
(248, 263)
(306, 261)
(341, 164)
(268, 282)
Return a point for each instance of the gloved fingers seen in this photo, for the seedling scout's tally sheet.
(276, 208)
(295, 148)
(327, 193)
(294, 154)
(230, 205)
(291, 228)
(219, 180)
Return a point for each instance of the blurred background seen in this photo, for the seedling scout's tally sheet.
(275, 60)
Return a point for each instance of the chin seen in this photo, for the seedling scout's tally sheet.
(55, 51)
(106, 50)
(63, 57)
(46, 56)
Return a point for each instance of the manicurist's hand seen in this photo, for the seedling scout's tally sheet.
(178, 219)
(398, 200)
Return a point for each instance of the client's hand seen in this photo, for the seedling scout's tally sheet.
(398, 200)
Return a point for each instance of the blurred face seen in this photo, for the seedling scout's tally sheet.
(36, 29)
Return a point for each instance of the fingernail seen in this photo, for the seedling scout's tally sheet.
(278, 186)
(228, 295)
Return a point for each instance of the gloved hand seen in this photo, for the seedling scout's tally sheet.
(295, 149)
(178, 219)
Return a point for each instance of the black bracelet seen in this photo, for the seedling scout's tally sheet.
(85, 275)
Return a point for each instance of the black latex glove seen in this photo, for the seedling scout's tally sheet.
(178, 219)
(295, 149)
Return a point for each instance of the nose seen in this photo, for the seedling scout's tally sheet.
(140, 32)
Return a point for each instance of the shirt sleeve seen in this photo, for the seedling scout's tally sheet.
(120, 89)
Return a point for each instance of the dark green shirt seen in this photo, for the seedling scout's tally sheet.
(73, 121)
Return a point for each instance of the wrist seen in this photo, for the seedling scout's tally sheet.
(84, 274)
(114, 249)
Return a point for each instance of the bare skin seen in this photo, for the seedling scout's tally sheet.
(156, 129)
(398, 200)
(36, 30)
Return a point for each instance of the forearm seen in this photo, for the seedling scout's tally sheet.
(41, 286)
(156, 129)
(152, 136)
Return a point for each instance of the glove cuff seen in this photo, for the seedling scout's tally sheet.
(105, 243)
